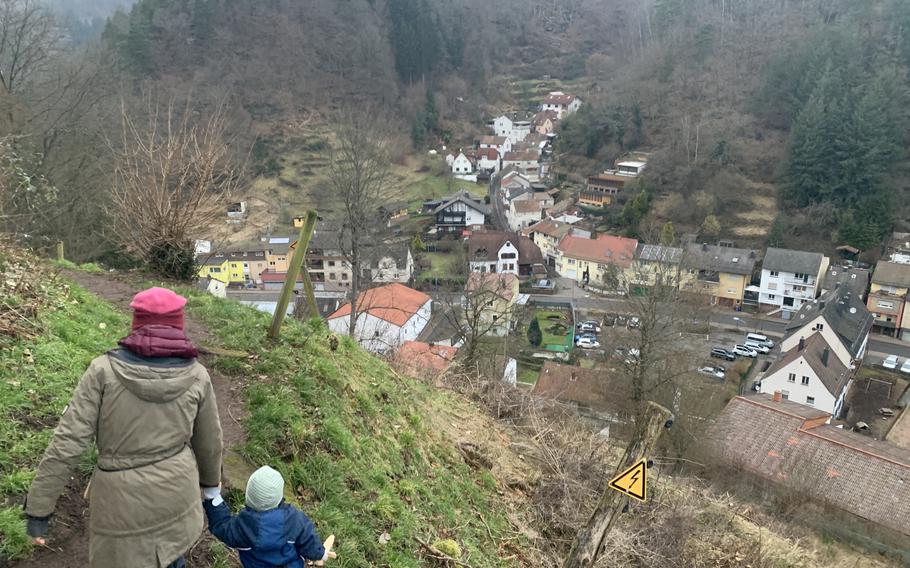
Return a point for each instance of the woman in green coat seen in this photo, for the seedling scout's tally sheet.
(151, 409)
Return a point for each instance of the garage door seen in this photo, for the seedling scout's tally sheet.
(572, 274)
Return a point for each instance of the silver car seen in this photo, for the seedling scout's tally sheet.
(744, 351)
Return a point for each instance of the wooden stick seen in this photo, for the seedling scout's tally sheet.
(290, 281)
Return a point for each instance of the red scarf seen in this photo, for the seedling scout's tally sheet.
(153, 341)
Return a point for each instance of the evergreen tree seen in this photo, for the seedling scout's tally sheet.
(535, 336)
(430, 112)
(667, 234)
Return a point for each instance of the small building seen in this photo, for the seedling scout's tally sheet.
(394, 211)
(501, 144)
(523, 213)
(856, 279)
(793, 445)
(840, 317)
(545, 122)
(561, 103)
(424, 360)
(602, 189)
(810, 374)
(630, 168)
(547, 234)
(212, 286)
(487, 160)
(888, 298)
(501, 252)
(388, 262)
(719, 272)
(237, 211)
(655, 265)
(789, 278)
(502, 126)
(526, 163)
(599, 262)
(461, 165)
(460, 211)
(592, 393)
(387, 316)
(496, 294)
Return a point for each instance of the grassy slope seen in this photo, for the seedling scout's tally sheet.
(353, 441)
(36, 379)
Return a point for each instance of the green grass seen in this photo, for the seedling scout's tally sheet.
(556, 327)
(442, 265)
(352, 440)
(37, 378)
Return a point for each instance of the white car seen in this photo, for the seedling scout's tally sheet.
(712, 371)
(588, 326)
(744, 351)
(890, 362)
(587, 343)
(905, 368)
(763, 349)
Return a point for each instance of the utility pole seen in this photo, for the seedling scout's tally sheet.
(290, 281)
(590, 539)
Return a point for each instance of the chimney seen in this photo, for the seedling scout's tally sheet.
(802, 343)
(821, 304)
(777, 397)
(825, 354)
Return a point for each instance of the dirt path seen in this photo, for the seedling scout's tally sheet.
(68, 547)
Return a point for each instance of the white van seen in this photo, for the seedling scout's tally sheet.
(759, 338)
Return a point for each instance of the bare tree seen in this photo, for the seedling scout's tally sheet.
(359, 179)
(27, 39)
(486, 309)
(171, 178)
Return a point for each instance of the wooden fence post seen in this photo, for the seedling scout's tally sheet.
(290, 281)
(60, 256)
(590, 539)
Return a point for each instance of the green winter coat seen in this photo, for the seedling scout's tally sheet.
(158, 436)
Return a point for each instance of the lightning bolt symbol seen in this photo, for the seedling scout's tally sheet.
(635, 477)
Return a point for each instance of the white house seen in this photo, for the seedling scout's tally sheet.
(840, 317)
(789, 278)
(515, 179)
(521, 129)
(502, 126)
(386, 263)
(526, 163)
(487, 159)
(501, 144)
(460, 211)
(630, 168)
(387, 316)
(561, 103)
(523, 213)
(462, 165)
(810, 374)
(212, 286)
(503, 252)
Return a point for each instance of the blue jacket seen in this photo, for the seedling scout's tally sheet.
(280, 537)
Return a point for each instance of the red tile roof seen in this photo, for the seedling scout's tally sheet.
(558, 99)
(488, 153)
(520, 157)
(394, 303)
(549, 227)
(419, 356)
(574, 384)
(526, 205)
(605, 249)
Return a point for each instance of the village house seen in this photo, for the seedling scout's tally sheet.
(388, 262)
(461, 164)
(545, 121)
(526, 163)
(241, 265)
(888, 299)
(561, 103)
(810, 374)
(501, 252)
(840, 317)
(498, 293)
(521, 129)
(387, 316)
(789, 278)
(793, 445)
(394, 211)
(523, 213)
(602, 189)
(326, 261)
(212, 286)
(719, 272)
(501, 144)
(630, 168)
(547, 234)
(502, 126)
(487, 160)
(654, 265)
(598, 262)
(457, 212)
(857, 279)
(424, 360)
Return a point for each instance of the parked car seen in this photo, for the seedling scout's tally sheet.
(634, 323)
(720, 353)
(610, 320)
(581, 336)
(712, 371)
(761, 348)
(622, 320)
(890, 362)
(587, 343)
(759, 338)
(744, 351)
(588, 326)
(905, 368)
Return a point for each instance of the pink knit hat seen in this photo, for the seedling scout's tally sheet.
(157, 306)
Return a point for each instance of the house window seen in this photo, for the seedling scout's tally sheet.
(791, 378)
(774, 274)
(332, 276)
(215, 270)
(819, 327)
(772, 286)
(331, 263)
(344, 275)
(805, 380)
(571, 261)
(885, 305)
(376, 333)
(271, 263)
(508, 255)
(771, 296)
(785, 395)
(810, 400)
(799, 288)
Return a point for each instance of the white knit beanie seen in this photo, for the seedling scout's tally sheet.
(265, 489)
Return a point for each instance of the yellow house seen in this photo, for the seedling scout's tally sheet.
(719, 272)
(888, 297)
(599, 262)
(215, 266)
(654, 264)
(547, 235)
(493, 297)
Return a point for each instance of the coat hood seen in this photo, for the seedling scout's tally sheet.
(153, 382)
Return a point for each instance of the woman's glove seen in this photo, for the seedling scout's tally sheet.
(212, 494)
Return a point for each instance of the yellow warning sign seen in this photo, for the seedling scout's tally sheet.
(633, 481)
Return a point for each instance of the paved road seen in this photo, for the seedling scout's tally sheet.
(499, 215)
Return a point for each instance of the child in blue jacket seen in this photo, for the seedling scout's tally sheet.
(268, 532)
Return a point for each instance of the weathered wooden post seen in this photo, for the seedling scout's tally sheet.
(590, 539)
(60, 256)
(303, 243)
